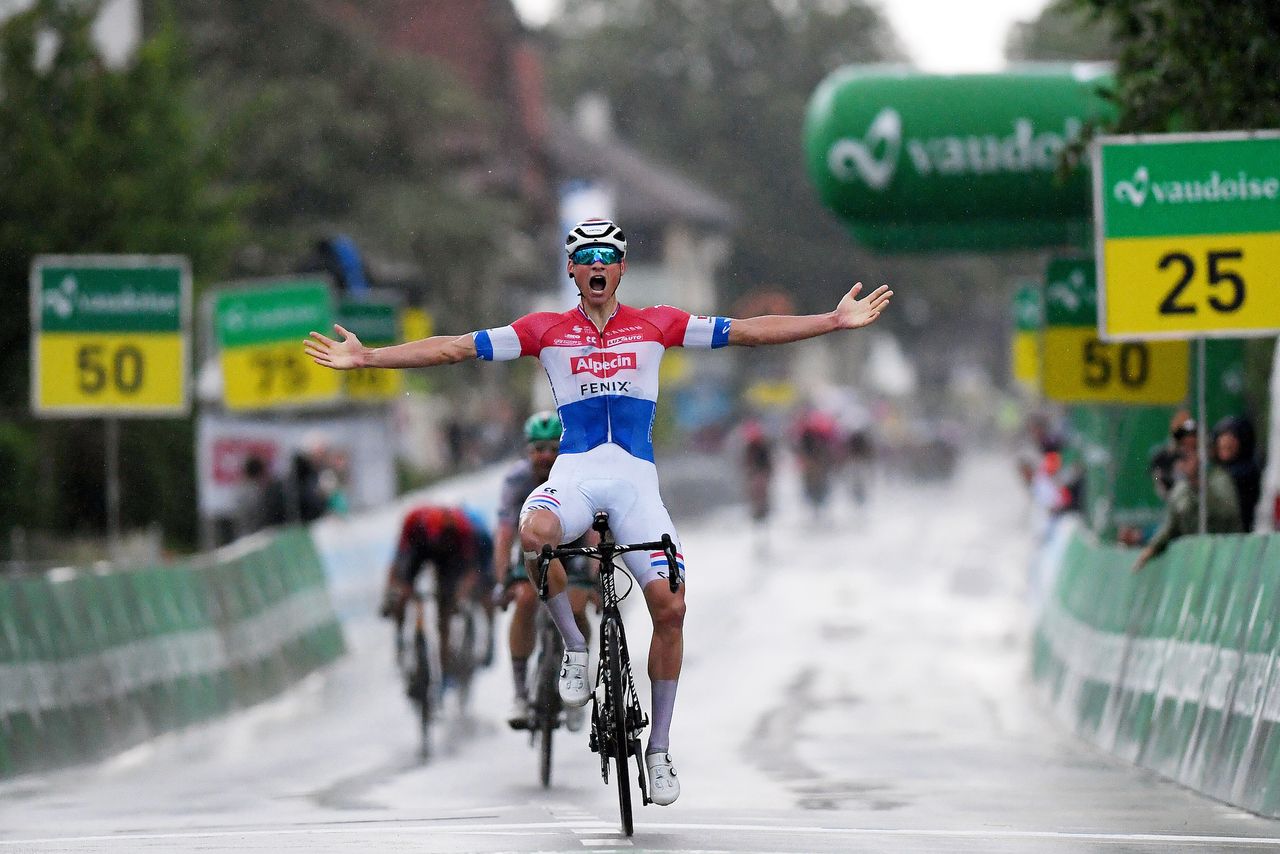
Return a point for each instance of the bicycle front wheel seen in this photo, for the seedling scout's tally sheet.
(545, 732)
(616, 707)
(420, 691)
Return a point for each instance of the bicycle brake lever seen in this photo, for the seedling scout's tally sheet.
(673, 568)
(544, 565)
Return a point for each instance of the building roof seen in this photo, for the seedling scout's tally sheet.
(646, 191)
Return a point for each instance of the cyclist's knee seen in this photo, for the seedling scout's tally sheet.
(669, 614)
(525, 597)
(538, 528)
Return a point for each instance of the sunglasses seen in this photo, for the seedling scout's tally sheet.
(589, 254)
(544, 447)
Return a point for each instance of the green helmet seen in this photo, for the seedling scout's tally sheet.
(542, 426)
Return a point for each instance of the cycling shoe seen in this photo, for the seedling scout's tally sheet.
(518, 717)
(574, 690)
(664, 788)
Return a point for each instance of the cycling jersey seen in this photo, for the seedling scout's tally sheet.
(605, 382)
(442, 536)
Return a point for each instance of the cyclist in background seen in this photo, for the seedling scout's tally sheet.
(542, 437)
(756, 458)
(602, 359)
(816, 438)
(454, 545)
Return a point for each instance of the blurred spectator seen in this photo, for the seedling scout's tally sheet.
(1163, 465)
(262, 503)
(1233, 449)
(1182, 510)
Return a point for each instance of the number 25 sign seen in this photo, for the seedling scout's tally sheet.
(1188, 235)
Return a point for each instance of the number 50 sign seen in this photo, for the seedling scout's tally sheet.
(1188, 235)
(110, 335)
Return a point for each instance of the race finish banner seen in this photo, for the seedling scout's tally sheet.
(1188, 235)
(260, 331)
(375, 323)
(110, 335)
(1079, 367)
(1028, 321)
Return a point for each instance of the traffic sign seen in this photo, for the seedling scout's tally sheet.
(1028, 321)
(375, 323)
(1080, 367)
(260, 330)
(110, 335)
(1188, 235)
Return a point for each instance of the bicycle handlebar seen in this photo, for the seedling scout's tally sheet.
(604, 553)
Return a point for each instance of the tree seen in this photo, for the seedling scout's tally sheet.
(1188, 65)
(719, 88)
(325, 130)
(95, 160)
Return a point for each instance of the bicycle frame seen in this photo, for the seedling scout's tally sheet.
(617, 717)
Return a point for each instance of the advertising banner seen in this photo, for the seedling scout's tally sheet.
(375, 322)
(918, 162)
(1079, 367)
(1188, 235)
(260, 330)
(110, 335)
(1028, 321)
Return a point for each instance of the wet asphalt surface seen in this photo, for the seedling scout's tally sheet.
(852, 683)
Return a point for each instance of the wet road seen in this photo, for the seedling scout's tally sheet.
(864, 689)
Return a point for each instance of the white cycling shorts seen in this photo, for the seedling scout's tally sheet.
(610, 479)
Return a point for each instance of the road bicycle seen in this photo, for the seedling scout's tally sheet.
(617, 718)
(425, 676)
(413, 657)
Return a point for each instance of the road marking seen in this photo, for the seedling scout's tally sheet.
(524, 828)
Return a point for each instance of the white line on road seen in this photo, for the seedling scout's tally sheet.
(551, 827)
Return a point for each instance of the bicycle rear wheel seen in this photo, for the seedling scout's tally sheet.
(616, 707)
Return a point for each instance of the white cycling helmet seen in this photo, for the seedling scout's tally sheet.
(595, 232)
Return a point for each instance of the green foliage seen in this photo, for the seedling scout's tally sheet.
(94, 160)
(719, 88)
(1195, 65)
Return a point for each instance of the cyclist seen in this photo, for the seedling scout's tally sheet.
(455, 546)
(542, 436)
(757, 468)
(816, 439)
(602, 360)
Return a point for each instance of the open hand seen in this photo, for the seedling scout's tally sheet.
(340, 355)
(853, 313)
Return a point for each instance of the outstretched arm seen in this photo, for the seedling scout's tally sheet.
(349, 353)
(851, 313)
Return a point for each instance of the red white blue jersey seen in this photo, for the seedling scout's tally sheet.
(605, 381)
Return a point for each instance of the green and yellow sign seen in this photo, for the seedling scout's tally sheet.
(110, 335)
(1188, 235)
(1079, 367)
(260, 331)
(1028, 320)
(375, 323)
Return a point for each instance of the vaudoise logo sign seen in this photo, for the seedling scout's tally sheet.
(876, 157)
(1214, 188)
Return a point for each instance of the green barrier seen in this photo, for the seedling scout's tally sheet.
(1172, 668)
(95, 662)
